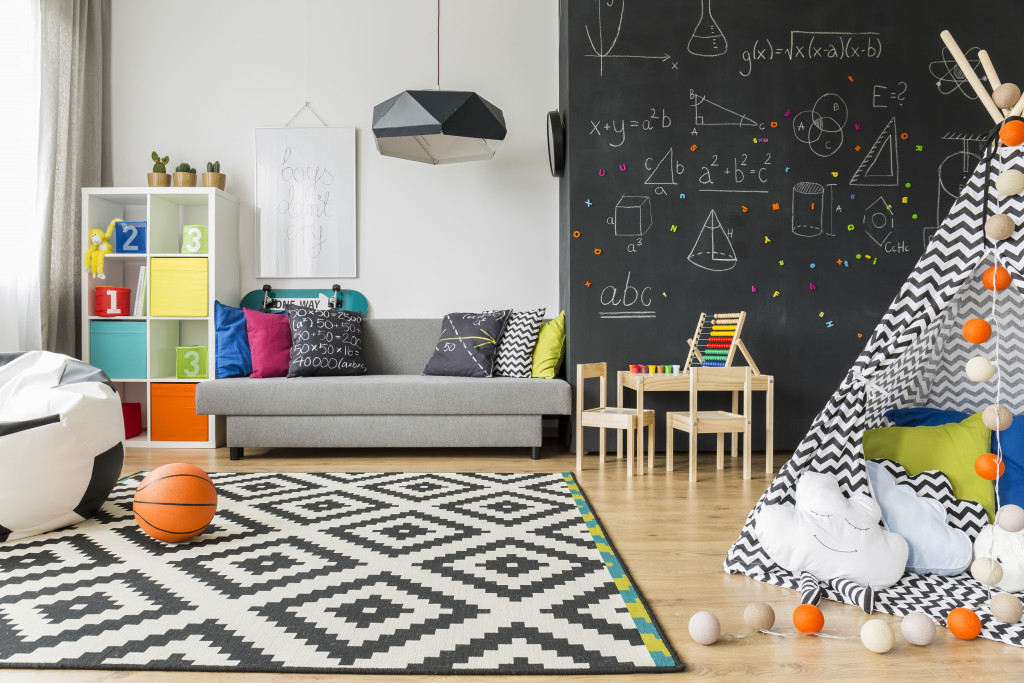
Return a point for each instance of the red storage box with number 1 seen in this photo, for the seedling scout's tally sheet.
(112, 302)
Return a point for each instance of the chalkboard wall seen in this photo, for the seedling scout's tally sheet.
(789, 158)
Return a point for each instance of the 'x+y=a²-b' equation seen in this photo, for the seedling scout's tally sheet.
(812, 45)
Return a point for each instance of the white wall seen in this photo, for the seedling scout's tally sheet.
(192, 78)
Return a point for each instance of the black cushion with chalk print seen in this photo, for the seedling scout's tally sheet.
(325, 342)
(468, 344)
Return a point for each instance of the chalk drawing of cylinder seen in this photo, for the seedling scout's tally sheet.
(807, 210)
(633, 216)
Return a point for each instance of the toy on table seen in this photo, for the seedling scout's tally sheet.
(715, 341)
(99, 246)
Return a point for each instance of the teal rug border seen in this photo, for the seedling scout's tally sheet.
(663, 655)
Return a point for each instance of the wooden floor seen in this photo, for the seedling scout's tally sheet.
(673, 536)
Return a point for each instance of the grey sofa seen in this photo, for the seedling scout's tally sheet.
(392, 406)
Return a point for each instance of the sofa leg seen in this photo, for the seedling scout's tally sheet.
(236, 452)
(535, 453)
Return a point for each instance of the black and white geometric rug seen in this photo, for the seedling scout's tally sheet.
(338, 572)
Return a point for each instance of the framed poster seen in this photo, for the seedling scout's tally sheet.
(306, 202)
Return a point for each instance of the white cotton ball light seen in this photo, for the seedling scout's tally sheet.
(1010, 518)
(1010, 182)
(997, 418)
(987, 571)
(877, 636)
(918, 629)
(759, 616)
(704, 628)
(999, 227)
(1006, 608)
(980, 369)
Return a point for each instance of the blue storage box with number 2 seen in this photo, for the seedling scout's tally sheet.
(130, 237)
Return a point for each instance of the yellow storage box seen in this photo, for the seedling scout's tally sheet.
(178, 287)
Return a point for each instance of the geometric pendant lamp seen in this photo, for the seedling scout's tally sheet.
(438, 126)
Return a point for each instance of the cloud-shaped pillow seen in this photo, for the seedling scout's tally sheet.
(1007, 547)
(935, 547)
(831, 536)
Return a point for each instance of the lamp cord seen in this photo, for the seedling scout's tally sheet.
(438, 44)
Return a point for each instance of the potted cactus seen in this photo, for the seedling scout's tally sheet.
(159, 177)
(184, 175)
(213, 177)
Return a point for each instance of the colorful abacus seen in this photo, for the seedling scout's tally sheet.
(715, 341)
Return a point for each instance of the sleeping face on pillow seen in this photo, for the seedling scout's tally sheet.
(832, 536)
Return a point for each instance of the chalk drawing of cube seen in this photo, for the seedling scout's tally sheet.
(632, 216)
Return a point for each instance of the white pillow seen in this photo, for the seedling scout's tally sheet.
(831, 536)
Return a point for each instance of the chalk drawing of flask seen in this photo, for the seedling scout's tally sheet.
(707, 39)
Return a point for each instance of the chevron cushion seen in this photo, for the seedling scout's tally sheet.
(515, 351)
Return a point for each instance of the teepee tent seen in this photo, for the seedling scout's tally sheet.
(916, 357)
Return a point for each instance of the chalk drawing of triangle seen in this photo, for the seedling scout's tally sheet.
(881, 165)
(664, 172)
(708, 113)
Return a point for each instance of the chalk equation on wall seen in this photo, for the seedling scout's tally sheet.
(305, 202)
(607, 28)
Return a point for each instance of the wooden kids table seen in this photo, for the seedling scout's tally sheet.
(641, 382)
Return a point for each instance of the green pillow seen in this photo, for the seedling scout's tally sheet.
(547, 354)
(950, 448)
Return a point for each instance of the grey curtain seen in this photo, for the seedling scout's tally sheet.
(74, 152)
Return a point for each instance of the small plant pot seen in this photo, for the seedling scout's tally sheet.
(214, 180)
(182, 179)
(159, 179)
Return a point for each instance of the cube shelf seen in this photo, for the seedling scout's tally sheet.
(140, 351)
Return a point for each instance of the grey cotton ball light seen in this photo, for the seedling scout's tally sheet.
(999, 227)
(1006, 608)
(997, 418)
(1006, 95)
(1010, 518)
(704, 628)
(759, 616)
(918, 629)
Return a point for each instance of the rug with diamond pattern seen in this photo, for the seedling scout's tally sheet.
(338, 572)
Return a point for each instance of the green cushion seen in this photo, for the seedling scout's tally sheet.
(547, 354)
(950, 448)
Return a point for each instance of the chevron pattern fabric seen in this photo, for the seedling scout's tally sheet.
(854, 593)
(915, 357)
(810, 589)
(515, 350)
(399, 573)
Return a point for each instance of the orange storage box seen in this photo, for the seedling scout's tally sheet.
(173, 414)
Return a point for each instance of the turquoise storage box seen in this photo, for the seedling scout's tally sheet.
(118, 348)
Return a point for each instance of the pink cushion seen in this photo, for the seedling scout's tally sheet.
(270, 341)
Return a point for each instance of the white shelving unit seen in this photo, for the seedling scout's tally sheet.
(166, 211)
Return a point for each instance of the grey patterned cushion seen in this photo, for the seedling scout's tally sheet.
(468, 344)
(515, 351)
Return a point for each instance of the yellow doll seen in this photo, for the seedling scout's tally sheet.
(99, 246)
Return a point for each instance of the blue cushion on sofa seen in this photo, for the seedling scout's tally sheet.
(233, 356)
(1011, 483)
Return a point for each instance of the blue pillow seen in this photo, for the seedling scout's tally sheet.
(1011, 484)
(233, 356)
(925, 417)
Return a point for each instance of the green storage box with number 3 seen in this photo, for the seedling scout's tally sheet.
(191, 362)
(194, 239)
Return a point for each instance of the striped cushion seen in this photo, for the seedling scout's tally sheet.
(515, 350)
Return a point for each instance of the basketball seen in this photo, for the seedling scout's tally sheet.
(175, 502)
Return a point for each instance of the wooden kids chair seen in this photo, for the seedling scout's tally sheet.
(719, 422)
(606, 417)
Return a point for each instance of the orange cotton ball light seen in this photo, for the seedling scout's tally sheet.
(1012, 132)
(175, 502)
(808, 619)
(989, 466)
(977, 331)
(964, 624)
(997, 278)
